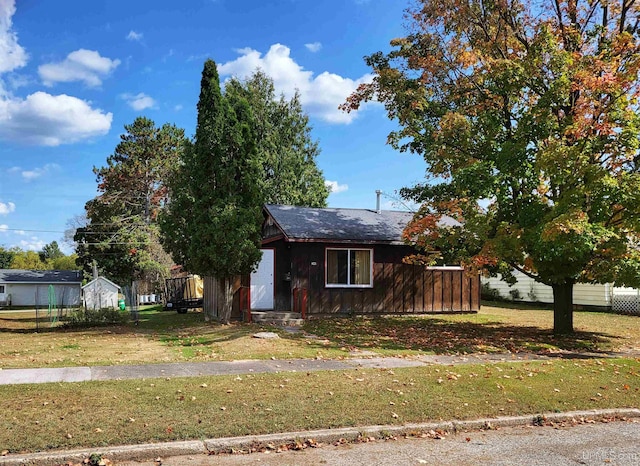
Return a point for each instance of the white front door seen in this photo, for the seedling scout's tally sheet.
(262, 282)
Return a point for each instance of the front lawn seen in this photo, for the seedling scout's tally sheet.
(97, 414)
(508, 328)
(162, 337)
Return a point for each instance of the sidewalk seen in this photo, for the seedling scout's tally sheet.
(191, 369)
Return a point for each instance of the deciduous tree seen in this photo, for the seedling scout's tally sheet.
(6, 257)
(527, 116)
(122, 231)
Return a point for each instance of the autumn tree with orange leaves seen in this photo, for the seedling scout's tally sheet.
(527, 116)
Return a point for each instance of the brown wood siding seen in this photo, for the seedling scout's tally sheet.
(210, 297)
(397, 288)
(211, 302)
(269, 231)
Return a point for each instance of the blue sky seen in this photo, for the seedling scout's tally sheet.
(73, 73)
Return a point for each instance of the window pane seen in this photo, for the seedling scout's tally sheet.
(337, 266)
(360, 267)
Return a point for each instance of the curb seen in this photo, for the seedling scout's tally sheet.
(151, 451)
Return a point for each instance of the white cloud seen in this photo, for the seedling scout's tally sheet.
(139, 101)
(29, 175)
(313, 46)
(335, 187)
(12, 55)
(7, 208)
(50, 120)
(178, 107)
(34, 244)
(82, 65)
(4, 227)
(42, 118)
(134, 36)
(321, 95)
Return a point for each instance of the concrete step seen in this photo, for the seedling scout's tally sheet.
(287, 319)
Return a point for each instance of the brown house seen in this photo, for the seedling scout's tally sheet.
(348, 261)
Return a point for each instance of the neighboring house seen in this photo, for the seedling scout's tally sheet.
(585, 295)
(31, 287)
(348, 261)
(100, 293)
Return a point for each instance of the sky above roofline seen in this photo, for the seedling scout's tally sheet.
(73, 73)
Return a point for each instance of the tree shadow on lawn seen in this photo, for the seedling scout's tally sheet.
(442, 336)
(170, 325)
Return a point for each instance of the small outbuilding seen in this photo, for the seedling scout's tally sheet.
(32, 287)
(100, 293)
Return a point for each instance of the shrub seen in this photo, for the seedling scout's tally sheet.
(92, 317)
(515, 294)
(490, 294)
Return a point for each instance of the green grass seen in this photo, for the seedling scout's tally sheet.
(492, 330)
(95, 414)
(162, 337)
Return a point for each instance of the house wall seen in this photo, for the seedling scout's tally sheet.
(584, 294)
(99, 295)
(397, 287)
(38, 294)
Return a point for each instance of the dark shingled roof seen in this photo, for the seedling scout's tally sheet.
(40, 276)
(355, 225)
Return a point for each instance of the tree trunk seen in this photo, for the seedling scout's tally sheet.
(227, 305)
(563, 308)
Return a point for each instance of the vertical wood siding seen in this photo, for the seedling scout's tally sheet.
(212, 303)
(397, 288)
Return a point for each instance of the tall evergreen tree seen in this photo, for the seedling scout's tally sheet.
(285, 147)
(212, 224)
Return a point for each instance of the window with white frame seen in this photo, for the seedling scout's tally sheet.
(1, 289)
(349, 267)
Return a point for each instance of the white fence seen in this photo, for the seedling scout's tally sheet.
(626, 300)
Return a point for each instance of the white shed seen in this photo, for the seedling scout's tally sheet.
(100, 293)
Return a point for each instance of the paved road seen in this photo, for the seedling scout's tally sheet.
(614, 443)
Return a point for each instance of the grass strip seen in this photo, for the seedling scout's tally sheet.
(97, 414)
